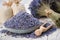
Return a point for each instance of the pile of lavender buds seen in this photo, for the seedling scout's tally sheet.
(22, 21)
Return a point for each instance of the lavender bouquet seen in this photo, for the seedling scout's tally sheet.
(37, 7)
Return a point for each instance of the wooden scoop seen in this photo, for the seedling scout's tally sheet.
(42, 29)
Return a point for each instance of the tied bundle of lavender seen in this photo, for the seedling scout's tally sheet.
(38, 7)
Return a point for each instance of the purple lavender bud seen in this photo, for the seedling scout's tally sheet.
(46, 25)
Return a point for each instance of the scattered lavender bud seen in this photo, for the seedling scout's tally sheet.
(47, 24)
(4, 31)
